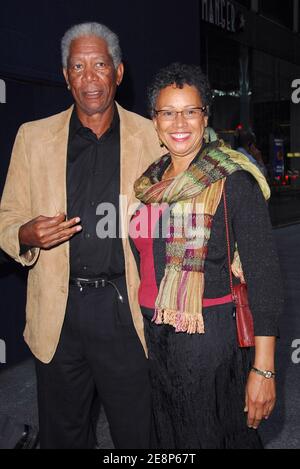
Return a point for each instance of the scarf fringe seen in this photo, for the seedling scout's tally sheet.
(182, 322)
(179, 301)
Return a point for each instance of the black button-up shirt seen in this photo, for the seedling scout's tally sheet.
(93, 178)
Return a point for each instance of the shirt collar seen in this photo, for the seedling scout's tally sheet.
(77, 128)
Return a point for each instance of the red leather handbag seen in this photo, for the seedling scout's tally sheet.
(243, 315)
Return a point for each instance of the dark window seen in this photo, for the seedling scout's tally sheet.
(223, 66)
(280, 12)
(245, 3)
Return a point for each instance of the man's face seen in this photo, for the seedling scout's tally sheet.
(91, 75)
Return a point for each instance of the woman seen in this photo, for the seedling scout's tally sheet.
(204, 394)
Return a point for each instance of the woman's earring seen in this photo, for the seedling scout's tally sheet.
(69, 87)
(161, 143)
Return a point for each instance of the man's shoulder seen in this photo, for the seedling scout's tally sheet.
(46, 123)
(135, 120)
(142, 130)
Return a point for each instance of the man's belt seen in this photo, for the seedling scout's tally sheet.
(99, 282)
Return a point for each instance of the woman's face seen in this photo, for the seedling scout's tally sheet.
(182, 136)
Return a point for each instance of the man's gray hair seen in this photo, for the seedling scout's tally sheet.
(91, 29)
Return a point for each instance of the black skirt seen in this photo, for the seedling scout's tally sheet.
(198, 385)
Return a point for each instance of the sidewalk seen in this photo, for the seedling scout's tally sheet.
(18, 400)
(283, 429)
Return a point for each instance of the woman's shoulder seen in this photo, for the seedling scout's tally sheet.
(241, 181)
(242, 189)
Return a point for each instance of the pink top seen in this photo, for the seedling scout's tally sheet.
(142, 232)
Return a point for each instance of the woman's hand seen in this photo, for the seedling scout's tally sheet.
(260, 399)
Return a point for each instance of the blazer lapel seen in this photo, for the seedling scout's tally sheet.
(56, 161)
(131, 153)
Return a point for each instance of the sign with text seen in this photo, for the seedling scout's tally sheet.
(278, 157)
(223, 13)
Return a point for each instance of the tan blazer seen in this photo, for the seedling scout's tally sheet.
(36, 185)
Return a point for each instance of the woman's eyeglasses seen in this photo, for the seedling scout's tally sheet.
(190, 113)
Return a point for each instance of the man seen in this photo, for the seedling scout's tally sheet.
(79, 325)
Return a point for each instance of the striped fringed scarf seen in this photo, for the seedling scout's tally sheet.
(196, 194)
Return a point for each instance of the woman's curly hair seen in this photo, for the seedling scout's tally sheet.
(179, 74)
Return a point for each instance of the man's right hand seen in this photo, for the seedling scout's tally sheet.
(48, 232)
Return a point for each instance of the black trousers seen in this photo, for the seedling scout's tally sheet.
(99, 355)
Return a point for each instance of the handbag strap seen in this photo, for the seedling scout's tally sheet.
(228, 241)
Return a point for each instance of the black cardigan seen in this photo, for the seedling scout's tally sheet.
(250, 227)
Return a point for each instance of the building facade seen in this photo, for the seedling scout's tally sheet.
(250, 50)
